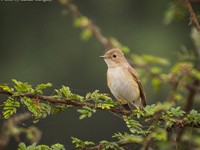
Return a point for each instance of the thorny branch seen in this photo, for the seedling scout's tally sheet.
(90, 25)
(72, 102)
(192, 89)
(193, 18)
(78, 103)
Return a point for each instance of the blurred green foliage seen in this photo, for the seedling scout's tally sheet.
(22, 146)
(39, 60)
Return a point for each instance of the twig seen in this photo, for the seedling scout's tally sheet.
(8, 128)
(149, 139)
(182, 123)
(188, 107)
(90, 25)
(190, 99)
(148, 142)
(171, 97)
(193, 18)
(179, 123)
(74, 102)
(191, 88)
(77, 103)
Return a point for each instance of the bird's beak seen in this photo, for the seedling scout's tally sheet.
(102, 56)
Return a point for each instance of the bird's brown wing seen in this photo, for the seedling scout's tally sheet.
(142, 93)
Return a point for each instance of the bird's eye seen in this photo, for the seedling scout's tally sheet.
(114, 55)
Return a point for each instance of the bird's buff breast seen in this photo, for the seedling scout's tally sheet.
(122, 84)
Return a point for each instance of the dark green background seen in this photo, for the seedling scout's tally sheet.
(38, 45)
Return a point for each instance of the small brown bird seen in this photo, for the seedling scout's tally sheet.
(123, 80)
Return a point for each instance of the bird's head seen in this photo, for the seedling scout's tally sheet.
(114, 57)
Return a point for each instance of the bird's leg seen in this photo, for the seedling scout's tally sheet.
(124, 105)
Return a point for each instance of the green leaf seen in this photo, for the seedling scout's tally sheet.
(58, 147)
(105, 105)
(196, 74)
(139, 113)
(10, 107)
(44, 109)
(88, 96)
(40, 87)
(159, 134)
(155, 60)
(156, 84)
(32, 107)
(86, 112)
(97, 96)
(66, 93)
(168, 121)
(176, 112)
(86, 34)
(81, 21)
(22, 146)
(118, 135)
(105, 145)
(131, 138)
(134, 126)
(6, 88)
(128, 138)
(176, 11)
(102, 100)
(58, 108)
(155, 70)
(194, 116)
(150, 110)
(81, 144)
(183, 68)
(125, 49)
(22, 87)
(148, 60)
